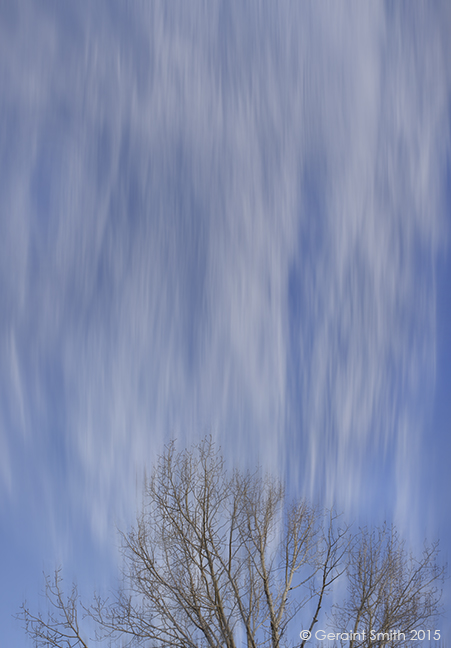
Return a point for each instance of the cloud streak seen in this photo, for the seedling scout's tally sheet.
(224, 219)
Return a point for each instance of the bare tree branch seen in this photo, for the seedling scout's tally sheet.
(224, 560)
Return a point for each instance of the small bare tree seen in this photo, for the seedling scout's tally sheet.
(226, 560)
(60, 628)
(393, 596)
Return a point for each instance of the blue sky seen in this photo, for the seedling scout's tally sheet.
(222, 218)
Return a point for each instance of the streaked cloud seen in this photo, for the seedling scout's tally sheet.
(223, 218)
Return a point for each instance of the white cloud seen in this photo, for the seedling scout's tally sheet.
(174, 173)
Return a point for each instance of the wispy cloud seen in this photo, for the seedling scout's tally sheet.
(219, 219)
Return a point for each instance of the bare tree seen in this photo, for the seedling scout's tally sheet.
(226, 560)
(393, 596)
(60, 628)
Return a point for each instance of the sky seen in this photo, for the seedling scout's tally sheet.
(219, 218)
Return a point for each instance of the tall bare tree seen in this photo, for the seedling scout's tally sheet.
(226, 560)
